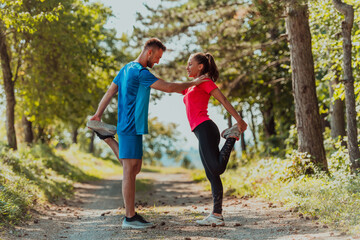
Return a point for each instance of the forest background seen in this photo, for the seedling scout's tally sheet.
(290, 67)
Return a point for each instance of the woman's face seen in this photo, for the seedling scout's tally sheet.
(193, 67)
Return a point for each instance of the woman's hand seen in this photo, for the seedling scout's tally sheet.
(242, 126)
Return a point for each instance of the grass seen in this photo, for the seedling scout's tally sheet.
(167, 170)
(40, 174)
(144, 185)
(91, 167)
(332, 198)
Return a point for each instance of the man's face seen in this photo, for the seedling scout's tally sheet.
(154, 56)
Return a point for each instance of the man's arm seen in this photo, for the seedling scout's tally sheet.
(105, 101)
(170, 87)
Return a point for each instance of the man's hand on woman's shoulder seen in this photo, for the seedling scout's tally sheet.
(201, 79)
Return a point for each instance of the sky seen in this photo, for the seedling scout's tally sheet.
(171, 107)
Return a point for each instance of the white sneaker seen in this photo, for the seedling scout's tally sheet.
(210, 220)
(101, 127)
(231, 132)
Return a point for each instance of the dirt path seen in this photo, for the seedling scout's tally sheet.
(96, 212)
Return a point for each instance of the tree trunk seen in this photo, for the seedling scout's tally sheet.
(307, 115)
(41, 135)
(92, 146)
(346, 27)
(268, 119)
(253, 129)
(28, 132)
(242, 137)
(9, 90)
(337, 120)
(324, 122)
(75, 135)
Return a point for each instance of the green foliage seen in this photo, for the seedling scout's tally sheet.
(300, 165)
(334, 200)
(235, 162)
(186, 163)
(325, 26)
(39, 174)
(161, 141)
(198, 175)
(58, 163)
(144, 185)
(24, 180)
(91, 167)
(24, 15)
(74, 63)
(292, 140)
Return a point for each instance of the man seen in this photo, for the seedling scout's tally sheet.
(133, 84)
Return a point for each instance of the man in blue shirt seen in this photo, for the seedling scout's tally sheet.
(133, 84)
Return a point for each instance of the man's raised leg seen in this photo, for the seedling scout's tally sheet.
(114, 145)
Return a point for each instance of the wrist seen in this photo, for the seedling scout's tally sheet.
(97, 115)
(239, 120)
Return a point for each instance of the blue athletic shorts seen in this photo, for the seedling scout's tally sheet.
(130, 147)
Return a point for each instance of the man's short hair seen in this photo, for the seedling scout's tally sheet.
(154, 43)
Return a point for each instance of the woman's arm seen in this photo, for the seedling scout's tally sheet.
(216, 93)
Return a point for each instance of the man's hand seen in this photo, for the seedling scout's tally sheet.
(200, 79)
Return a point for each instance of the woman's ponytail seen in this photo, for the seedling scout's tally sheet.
(210, 67)
(213, 70)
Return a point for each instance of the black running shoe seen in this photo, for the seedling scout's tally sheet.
(103, 137)
(136, 222)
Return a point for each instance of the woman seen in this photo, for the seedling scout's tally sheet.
(196, 100)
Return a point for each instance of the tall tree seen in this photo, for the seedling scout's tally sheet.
(9, 89)
(307, 115)
(16, 19)
(68, 64)
(327, 57)
(347, 25)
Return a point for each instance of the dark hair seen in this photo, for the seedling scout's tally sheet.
(209, 65)
(154, 43)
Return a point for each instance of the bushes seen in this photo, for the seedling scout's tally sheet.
(25, 180)
(333, 197)
(40, 174)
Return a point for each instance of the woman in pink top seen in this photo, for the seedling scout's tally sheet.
(196, 100)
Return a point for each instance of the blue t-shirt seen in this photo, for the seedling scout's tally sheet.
(133, 83)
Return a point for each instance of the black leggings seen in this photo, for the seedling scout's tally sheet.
(214, 161)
